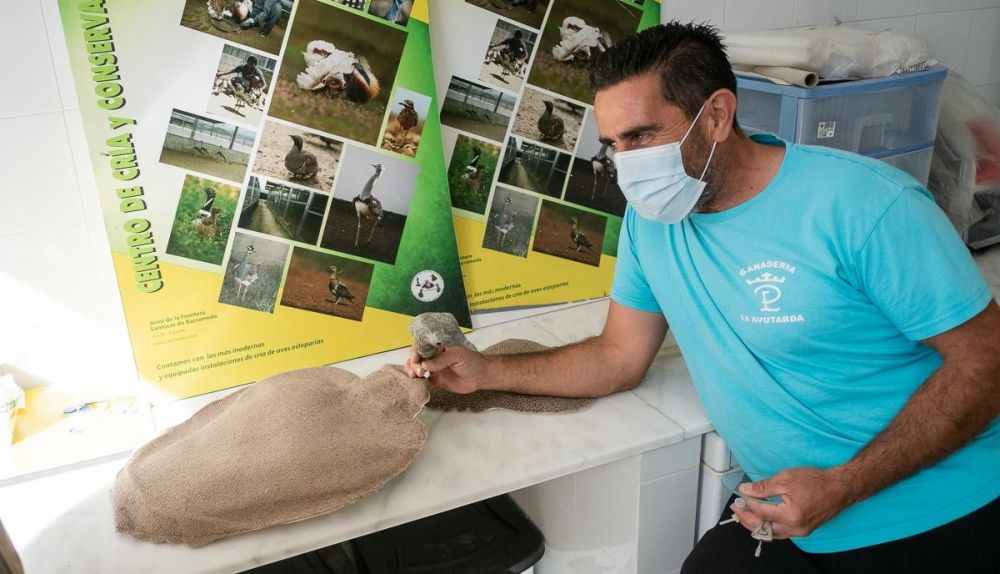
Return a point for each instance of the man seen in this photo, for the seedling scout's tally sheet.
(838, 333)
(250, 76)
(265, 13)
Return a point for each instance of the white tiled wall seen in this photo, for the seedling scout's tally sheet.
(963, 34)
(61, 319)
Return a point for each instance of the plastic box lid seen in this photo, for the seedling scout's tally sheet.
(848, 87)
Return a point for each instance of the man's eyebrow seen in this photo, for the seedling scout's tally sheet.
(630, 133)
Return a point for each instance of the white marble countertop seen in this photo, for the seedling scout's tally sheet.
(63, 522)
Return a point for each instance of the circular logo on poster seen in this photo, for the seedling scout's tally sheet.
(427, 285)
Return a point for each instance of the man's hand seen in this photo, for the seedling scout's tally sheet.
(810, 497)
(455, 369)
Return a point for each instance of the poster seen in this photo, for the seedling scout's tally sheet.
(271, 178)
(537, 209)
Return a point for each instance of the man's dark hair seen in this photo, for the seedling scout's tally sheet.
(252, 60)
(690, 59)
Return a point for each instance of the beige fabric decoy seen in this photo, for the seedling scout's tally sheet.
(290, 447)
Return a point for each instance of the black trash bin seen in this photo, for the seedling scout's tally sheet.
(488, 537)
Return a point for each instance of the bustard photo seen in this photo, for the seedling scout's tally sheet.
(338, 289)
(367, 206)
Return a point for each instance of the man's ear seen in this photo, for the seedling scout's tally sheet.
(721, 111)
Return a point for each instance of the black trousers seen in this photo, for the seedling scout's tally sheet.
(968, 545)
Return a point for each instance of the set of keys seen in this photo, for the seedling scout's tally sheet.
(763, 533)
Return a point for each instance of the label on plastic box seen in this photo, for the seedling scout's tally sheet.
(826, 130)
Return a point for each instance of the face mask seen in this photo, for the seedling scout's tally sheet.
(655, 183)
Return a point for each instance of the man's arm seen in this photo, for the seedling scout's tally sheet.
(954, 405)
(615, 360)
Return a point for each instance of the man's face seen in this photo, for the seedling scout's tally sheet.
(633, 115)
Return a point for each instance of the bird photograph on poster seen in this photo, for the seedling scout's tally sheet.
(576, 32)
(239, 89)
(337, 71)
(593, 180)
(470, 173)
(253, 273)
(548, 119)
(507, 57)
(297, 155)
(370, 203)
(570, 233)
(202, 221)
(477, 109)
(510, 221)
(208, 146)
(406, 122)
(325, 283)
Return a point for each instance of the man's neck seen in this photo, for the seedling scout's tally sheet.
(745, 168)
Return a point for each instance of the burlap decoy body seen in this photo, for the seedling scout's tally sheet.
(290, 447)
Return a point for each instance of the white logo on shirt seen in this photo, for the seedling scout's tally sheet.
(767, 290)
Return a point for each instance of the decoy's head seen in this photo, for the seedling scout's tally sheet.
(297, 140)
(573, 220)
(548, 106)
(362, 86)
(506, 199)
(378, 167)
(250, 248)
(408, 104)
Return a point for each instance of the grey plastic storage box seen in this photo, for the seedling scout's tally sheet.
(869, 117)
(893, 118)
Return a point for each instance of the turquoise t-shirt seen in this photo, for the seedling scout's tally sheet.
(800, 314)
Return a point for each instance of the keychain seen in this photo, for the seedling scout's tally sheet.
(762, 534)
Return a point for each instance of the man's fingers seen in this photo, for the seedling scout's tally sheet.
(413, 364)
(751, 521)
(445, 359)
(761, 488)
(772, 512)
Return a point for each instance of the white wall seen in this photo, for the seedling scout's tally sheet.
(61, 319)
(963, 34)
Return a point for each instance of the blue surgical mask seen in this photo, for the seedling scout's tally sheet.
(655, 183)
